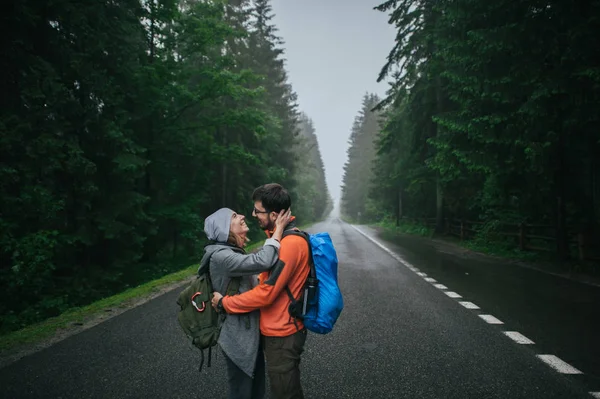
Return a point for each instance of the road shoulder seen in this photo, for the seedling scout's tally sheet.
(444, 245)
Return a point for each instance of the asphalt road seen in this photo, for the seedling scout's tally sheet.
(399, 336)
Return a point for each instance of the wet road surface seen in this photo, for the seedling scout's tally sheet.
(399, 336)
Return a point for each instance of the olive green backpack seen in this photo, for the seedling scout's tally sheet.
(196, 316)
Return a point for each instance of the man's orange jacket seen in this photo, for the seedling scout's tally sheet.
(270, 295)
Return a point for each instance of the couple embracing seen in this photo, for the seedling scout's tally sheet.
(258, 325)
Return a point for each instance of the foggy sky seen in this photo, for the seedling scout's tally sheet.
(334, 51)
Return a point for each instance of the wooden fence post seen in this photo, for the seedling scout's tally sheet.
(462, 230)
(581, 245)
(447, 226)
(522, 237)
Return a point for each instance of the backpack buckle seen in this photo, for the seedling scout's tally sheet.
(196, 305)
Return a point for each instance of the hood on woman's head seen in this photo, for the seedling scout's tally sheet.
(216, 226)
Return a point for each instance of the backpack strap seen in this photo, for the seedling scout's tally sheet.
(292, 309)
(208, 364)
(294, 303)
(232, 288)
(306, 236)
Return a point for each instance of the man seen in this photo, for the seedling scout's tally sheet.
(283, 336)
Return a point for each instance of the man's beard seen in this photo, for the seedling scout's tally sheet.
(270, 226)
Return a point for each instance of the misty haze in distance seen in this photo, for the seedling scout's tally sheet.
(334, 52)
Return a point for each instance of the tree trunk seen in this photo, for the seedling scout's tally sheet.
(175, 243)
(224, 185)
(591, 212)
(399, 213)
(149, 132)
(562, 246)
(440, 108)
(439, 208)
(224, 171)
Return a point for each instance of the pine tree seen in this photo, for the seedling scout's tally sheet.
(313, 199)
(358, 170)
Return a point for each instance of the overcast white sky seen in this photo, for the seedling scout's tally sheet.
(334, 50)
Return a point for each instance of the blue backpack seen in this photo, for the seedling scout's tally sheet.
(321, 302)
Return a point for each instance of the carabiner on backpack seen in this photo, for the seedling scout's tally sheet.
(196, 305)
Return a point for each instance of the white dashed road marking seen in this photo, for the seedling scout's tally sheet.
(452, 294)
(469, 305)
(558, 364)
(518, 337)
(490, 319)
(550, 360)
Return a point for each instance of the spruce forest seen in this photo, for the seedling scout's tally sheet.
(489, 127)
(123, 124)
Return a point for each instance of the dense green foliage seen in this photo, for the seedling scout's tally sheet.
(358, 170)
(122, 125)
(313, 197)
(492, 114)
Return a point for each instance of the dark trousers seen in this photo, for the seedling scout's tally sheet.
(283, 364)
(241, 385)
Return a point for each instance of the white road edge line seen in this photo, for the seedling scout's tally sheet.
(595, 394)
(558, 365)
(394, 255)
(405, 263)
(490, 319)
(469, 305)
(518, 337)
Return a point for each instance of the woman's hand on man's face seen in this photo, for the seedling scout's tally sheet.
(283, 218)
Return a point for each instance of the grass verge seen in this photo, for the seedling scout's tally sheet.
(78, 316)
(499, 248)
(406, 227)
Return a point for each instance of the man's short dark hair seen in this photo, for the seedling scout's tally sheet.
(273, 196)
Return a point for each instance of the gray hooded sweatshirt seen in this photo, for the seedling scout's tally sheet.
(240, 333)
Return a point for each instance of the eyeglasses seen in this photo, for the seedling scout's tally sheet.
(256, 211)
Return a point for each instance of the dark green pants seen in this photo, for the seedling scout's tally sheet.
(283, 364)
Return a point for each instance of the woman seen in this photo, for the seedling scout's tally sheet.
(239, 337)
